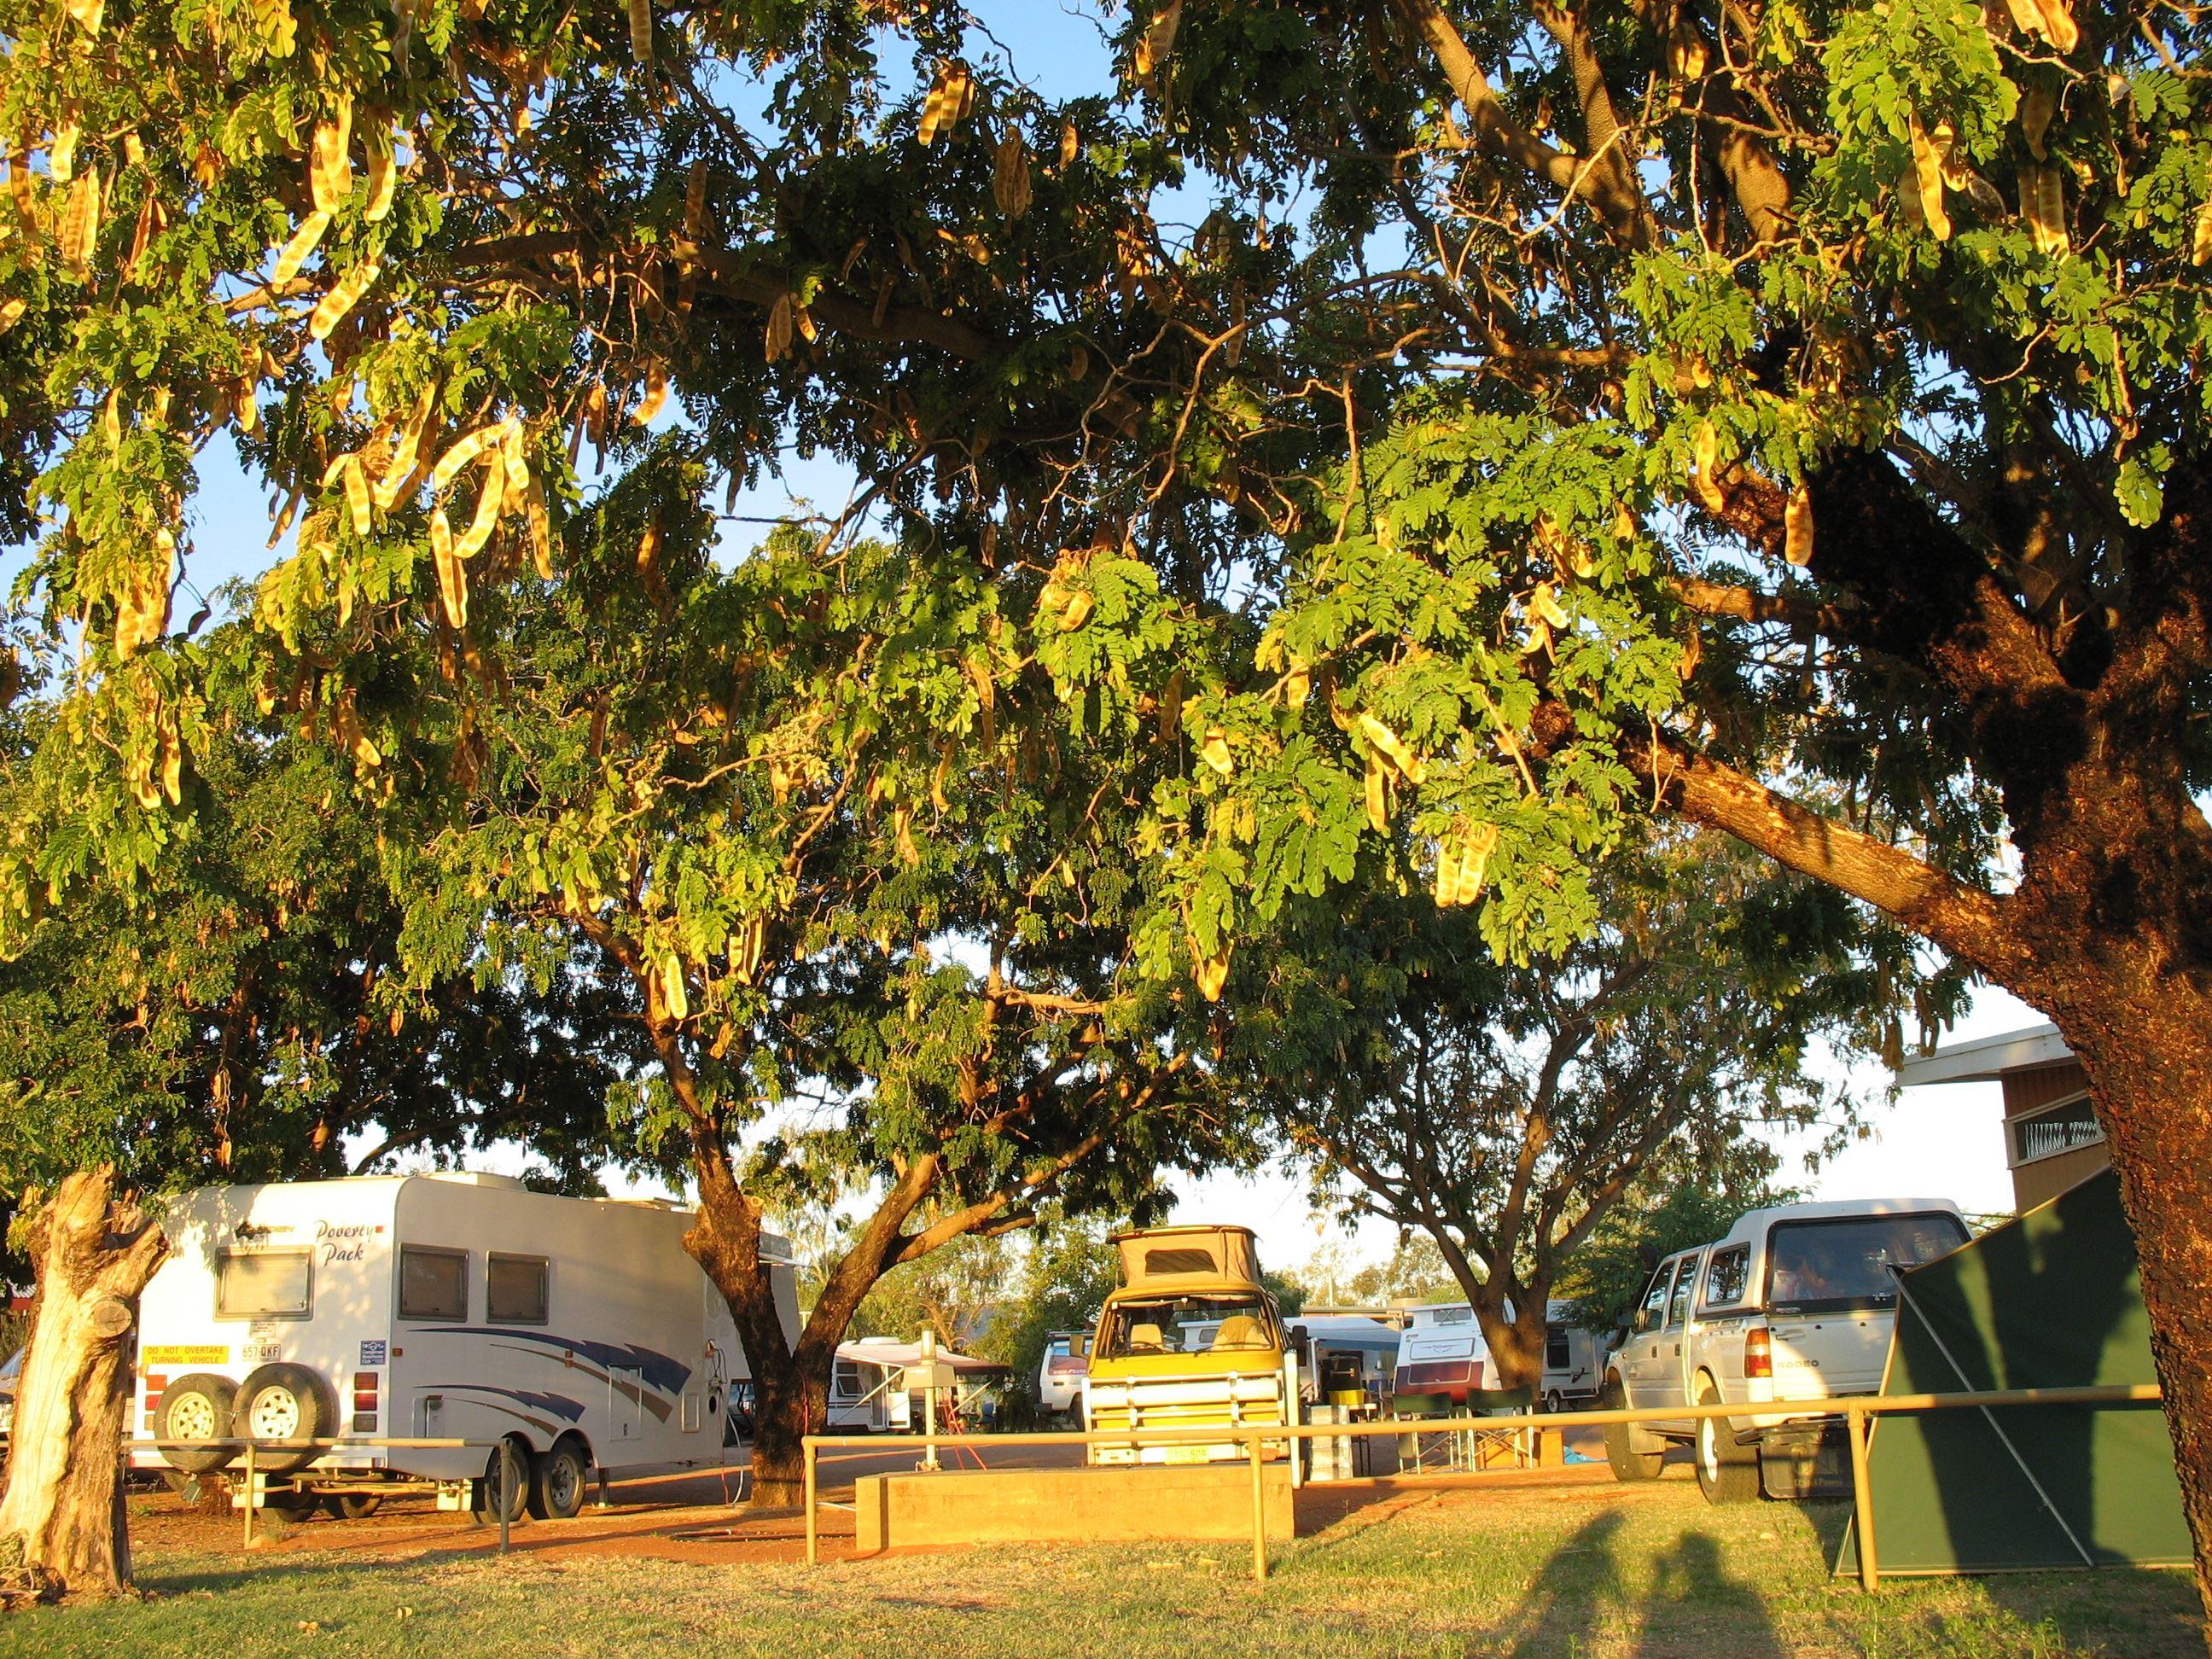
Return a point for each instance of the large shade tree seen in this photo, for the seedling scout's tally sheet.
(865, 870)
(1643, 406)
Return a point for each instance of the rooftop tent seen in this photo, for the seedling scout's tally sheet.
(2050, 1300)
(1170, 1255)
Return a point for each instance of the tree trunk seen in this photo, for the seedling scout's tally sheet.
(63, 1510)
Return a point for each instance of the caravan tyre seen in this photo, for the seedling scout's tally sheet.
(283, 1402)
(353, 1505)
(557, 1482)
(505, 1483)
(196, 1407)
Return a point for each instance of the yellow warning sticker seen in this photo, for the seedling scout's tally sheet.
(206, 1354)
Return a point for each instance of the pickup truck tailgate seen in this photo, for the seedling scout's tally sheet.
(1819, 1355)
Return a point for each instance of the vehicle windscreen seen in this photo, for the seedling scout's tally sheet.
(1828, 1266)
(1188, 1324)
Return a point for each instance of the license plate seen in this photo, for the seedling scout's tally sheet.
(1185, 1455)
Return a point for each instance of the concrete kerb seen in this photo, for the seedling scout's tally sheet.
(1855, 1411)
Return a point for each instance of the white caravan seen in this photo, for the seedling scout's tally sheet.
(439, 1306)
(868, 1393)
(1442, 1351)
(1059, 1375)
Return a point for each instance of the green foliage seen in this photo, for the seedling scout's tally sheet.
(1654, 1221)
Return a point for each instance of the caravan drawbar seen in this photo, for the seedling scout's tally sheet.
(573, 1334)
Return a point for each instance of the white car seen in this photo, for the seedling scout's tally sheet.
(1796, 1302)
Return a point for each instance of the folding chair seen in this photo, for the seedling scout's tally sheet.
(1489, 1448)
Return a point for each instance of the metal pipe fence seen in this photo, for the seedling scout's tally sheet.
(1855, 1411)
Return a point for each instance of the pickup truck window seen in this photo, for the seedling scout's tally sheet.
(1725, 1276)
(1654, 1304)
(1677, 1309)
(1832, 1266)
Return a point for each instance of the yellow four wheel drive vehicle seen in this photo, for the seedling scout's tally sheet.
(1191, 1340)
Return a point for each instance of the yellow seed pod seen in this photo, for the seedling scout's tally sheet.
(1797, 528)
(1078, 611)
(1448, 862)
(487, 514)
(1928, 182)
(948, 97)
(2200, 243)
(1010, 173)
(80, 229)
(88, 14)
(2043, 203)
(1545, 603)
(1158, 40)
(516, 466)
(671, 987)
(1385, 742)
(1378, 797)
(464, 450)
(453, 580)
(656, 393)
(383, 177)
(541, 529)
(694, 200)
(334, 305)
(1475, 848)
(61, 159)
(2036, 106)
(303, 244)
(329, 167)
(1214, 751)
(1212, 973)
(641, 30)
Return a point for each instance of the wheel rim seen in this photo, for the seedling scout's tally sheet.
(192, 1417)
(563, 1482)
(274, 1415)
(1709, 1449)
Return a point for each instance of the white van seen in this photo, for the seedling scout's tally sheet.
(1796, 1302)
(1442, 1351)
(439, 1306)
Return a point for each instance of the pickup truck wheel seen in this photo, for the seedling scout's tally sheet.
(1633, 1452)
(1726, 1473)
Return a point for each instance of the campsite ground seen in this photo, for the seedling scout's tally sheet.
(1562, 1563)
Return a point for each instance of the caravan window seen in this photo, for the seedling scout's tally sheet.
(433, 1283)
(515, 1289)
(263, 1284)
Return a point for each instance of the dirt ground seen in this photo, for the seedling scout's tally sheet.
(692, 1515)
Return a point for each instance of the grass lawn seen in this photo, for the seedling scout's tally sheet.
(1650, 1572)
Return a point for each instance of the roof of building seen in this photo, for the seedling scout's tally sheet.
(1985, 1059)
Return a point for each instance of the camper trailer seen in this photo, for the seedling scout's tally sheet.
(869, 1390)
(1442, 1351)
(574, 1333)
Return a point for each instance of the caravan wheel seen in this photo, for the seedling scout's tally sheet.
(283, 1402)
(557, 1482)
(196, 1407)
(505, 1483)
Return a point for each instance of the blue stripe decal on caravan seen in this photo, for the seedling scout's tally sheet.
(657, 1368)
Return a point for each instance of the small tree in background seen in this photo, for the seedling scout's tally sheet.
(1505, 1109)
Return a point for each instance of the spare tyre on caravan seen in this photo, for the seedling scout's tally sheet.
(573, 1335)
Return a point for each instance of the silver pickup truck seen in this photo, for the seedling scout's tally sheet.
(1796, 1302)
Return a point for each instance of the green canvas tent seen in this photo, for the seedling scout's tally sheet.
(2050, 1300)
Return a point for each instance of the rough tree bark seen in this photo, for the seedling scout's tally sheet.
(63, 1512)
(2083, 725)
